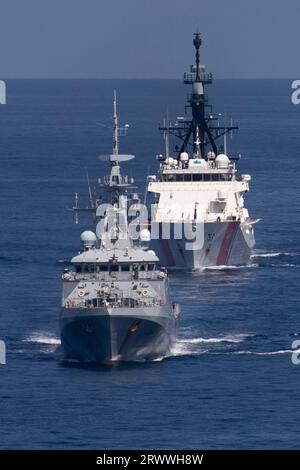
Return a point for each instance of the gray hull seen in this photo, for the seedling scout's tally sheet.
(225, 244)
(107, 337)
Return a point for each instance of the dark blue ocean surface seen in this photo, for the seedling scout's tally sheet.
(230, 382)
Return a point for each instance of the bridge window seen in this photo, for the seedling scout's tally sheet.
(197, 177)
(125, 267)
(89, 268)
(170, 178)
(103, 267)
(78, 268)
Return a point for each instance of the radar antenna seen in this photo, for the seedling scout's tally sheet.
(200, 132)
(115, 183)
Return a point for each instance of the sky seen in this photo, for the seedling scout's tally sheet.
(148, 38)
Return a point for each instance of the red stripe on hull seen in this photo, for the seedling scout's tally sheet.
(227, 243)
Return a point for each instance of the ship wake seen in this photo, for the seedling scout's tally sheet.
(37, 344)
(200, 345)
(229, 344)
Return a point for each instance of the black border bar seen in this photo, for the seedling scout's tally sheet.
(140, 458)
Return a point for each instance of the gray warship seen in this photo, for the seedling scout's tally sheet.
(115, 302)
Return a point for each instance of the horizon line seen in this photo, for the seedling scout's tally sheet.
(143, 78)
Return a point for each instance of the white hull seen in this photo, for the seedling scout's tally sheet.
(225, 244)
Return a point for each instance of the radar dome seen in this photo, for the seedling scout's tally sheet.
(88, 239)
(222, 161)
(145, 235)
(184, 156)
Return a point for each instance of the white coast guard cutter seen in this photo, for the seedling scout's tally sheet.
(198, 187)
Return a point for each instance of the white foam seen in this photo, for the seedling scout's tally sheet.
(226, 267)
(185, 349)
(159, 359)
(237, 338)
(266, 255)
(272, 254)
(267, 353)
(284, 265)
(42, 338)
(192, 346)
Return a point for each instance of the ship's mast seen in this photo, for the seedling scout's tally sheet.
(115, 127)
(197, 101)
(200, 131)
(166, 136)
(116, 184)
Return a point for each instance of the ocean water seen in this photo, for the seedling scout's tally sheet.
(229, 382)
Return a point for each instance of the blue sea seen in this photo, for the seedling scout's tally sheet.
(230, 382)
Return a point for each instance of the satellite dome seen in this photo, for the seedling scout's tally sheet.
(222, 161)
(145, 235)
(184, 156)
(88, 238)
